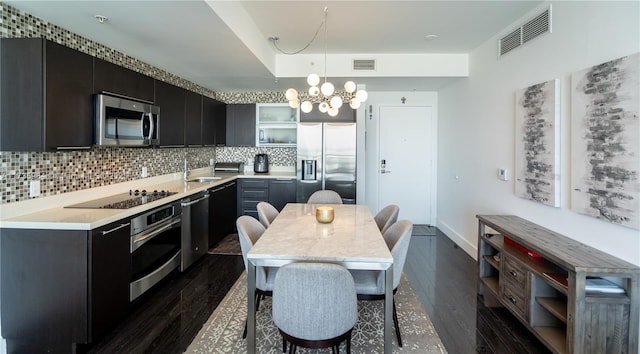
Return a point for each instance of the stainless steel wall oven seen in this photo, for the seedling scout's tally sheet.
(155, 247)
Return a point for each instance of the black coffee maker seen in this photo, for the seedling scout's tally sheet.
(261, 163)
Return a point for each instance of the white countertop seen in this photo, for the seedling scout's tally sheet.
(50, 212)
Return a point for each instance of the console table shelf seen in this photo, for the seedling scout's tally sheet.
(541, 277)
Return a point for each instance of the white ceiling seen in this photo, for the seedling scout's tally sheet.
(224, 46)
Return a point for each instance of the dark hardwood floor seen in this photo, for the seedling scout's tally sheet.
(167, 318)
(443, 275)
(445, 278)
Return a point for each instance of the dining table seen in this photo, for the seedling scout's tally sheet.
(352, 240)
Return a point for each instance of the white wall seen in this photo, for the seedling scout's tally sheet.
(476, 124)
(377, 99)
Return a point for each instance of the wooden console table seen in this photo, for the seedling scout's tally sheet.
(541, 277)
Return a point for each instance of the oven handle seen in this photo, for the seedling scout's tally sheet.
(138, 241)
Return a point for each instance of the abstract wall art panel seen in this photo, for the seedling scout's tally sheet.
(537, 143)
(605, 141)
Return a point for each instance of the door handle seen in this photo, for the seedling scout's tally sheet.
(384, 171)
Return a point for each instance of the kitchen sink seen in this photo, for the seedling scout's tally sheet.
(204, 179)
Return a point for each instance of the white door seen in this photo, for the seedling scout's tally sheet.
(406, 162)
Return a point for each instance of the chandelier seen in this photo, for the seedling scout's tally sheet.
(329, 101)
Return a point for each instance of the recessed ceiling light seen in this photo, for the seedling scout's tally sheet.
(430, 37)
(102, 19)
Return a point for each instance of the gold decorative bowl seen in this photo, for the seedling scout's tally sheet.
(324, 214)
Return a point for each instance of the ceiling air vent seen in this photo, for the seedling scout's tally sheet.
(536, 27)
(364, 64)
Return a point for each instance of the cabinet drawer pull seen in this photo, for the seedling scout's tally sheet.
(115, 228)
(513, 300)
(513, 273)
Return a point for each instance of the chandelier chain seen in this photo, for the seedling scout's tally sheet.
(324, 20)
(274, 40)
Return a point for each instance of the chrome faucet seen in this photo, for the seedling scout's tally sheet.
(185, 170)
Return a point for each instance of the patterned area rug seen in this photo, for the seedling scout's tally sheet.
(222, 333)
(230, 244)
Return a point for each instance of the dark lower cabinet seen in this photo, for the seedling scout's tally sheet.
(45, 96)
(251, 191)
(60, 288)
(110, 271)
(112, 78)
(222, 211)
(281, 192)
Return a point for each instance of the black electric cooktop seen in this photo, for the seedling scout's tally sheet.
(124, 200)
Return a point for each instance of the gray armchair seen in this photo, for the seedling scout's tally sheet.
(266, 213)
(325, 197)
(369, 284)
(314, 305)
(386, 217)
(249, 231)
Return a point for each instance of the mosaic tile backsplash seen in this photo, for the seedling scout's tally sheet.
(67, 171)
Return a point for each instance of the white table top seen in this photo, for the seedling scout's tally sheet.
(352, 239)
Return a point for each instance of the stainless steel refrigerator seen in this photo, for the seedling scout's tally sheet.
(326, 160)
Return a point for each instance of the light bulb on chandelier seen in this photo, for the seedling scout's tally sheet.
(328, 100)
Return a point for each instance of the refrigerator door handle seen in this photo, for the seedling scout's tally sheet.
(307, 181)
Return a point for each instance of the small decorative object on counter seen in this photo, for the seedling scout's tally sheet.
(324, 214)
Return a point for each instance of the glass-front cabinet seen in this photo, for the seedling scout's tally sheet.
(276, 124)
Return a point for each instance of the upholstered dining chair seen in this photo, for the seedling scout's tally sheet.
(266, 213)
(314, 305)
(386, 217)
(369, 283)
(249, 231)
(325, 197)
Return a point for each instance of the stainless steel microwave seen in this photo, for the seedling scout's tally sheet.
(125, 122)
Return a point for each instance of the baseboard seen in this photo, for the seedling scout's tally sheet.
(470, 248)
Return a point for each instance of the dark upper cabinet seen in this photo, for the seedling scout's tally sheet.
(345, 115)
(109, 77)
(241, 125)
(45, 96)
(193, 118)
(171, 100)
(214, 122)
